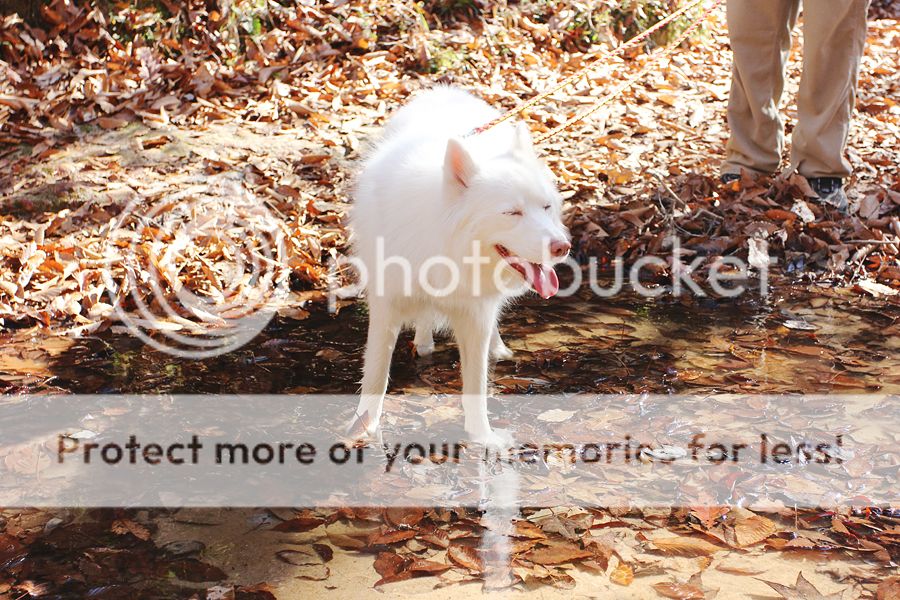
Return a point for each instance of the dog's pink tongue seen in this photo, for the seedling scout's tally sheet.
(542, 278)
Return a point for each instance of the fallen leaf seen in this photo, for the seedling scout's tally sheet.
(709, 516)
(685, 546)
(420, 565)
(759, 253)
(622, 575)
(528, 530)
(680, 591)
(389, 563)
(435, 537)
(299, 558)
(325, 552)
(391, 536)
(876, 289)
(557, 553)
(868, 206)
(752, 530)
(556, 415)
(156, 142)
(800, 325)
(889, 589)
(193, 570)
(466, 557)
(299, 524)
(127, 526)
(802, 210)
(404, 517)
(801, 590)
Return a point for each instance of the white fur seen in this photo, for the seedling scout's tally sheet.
(428, 191)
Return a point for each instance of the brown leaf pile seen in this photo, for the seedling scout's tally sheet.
(101, 107)
(103, 554)
(549, 546)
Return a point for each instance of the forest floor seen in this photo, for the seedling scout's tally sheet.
(108, 121)
(101, 132)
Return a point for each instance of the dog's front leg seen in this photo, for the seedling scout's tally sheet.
(384, 327)
(473, 334)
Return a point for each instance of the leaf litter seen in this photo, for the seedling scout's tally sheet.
(102, 108)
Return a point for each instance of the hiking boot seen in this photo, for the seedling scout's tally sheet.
(830, 191)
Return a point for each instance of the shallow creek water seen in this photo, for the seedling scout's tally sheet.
(793, 342)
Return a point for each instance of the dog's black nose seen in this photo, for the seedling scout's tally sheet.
(559, 248)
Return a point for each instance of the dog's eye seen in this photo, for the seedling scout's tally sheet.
(547, 207)
(514, 213)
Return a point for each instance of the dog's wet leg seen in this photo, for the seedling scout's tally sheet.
(424, 340)
(384, 327)
(473, 334)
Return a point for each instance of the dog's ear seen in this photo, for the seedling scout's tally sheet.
(522, 142)
(459, 168)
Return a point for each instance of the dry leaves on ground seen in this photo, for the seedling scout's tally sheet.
(102, 109)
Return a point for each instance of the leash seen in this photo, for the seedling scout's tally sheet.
(581, 72)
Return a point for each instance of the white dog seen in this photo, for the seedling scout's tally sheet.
(447, 228)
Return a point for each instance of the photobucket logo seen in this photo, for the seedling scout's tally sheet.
(197, 273)
(484, 270)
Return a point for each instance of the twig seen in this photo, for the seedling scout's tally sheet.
(675, 196)
(678, 127)
(859, 257)
(870, 242)
(704, 211)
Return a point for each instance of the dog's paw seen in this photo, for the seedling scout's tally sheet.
(499, 439)
(361, 426)
(425, 349)
(501, 352)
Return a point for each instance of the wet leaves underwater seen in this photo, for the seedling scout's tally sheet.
(622, 345)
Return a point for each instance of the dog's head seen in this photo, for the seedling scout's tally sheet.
(512, 208)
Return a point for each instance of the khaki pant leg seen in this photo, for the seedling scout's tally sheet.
(760, 33)
(834, 37)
